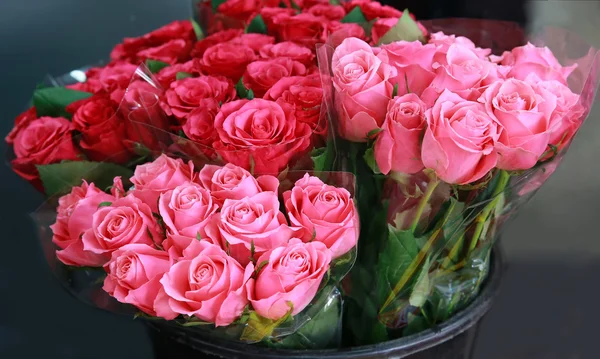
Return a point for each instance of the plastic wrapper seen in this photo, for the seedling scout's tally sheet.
(426, 243)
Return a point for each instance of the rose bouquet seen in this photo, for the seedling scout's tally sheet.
(447, 140)
(218, 250)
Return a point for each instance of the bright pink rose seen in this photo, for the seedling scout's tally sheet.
(227, 59)
(443, 43)
(21, 122)
(74, 217)
(261, 134)
(168, 75)
(459, 142)
(163, 174)
(252, 220)
(261, 75)
(306, 94)
(363, 89)
(331, 12)
(290, 50)
(233, 182)
(44, 141)
(464, 73)
(568, 115)
(253, 41)
(207, 284)
(170, 52)
(529, 59)
(186, 209)
(213, 39)
(127, 220)
(117, 189)
(305, 28)
(199, 124)
(186, 94)
(133, 277)
(398, 145)
(325, 213)
(413, 62)
(290, 279)
(524, 114)
(111, 77)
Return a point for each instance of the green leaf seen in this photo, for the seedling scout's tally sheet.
(259, 327)
(324, 157)
(59, 178)
(406, 29)
(373, 133)
(416, 324)
(104, 204)
(52, 101)
(215, 4)
(295, 6)
(183, 75)
(257, 25)
(354, 16)
(421, 290)
(370, 160)
(395, 92)
(198, 236)
(260, 266)
(242, 91)
(197, 29)
(341, 266)
(334, 2)
(155, 66)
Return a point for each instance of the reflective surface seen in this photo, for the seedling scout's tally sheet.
(548, 304)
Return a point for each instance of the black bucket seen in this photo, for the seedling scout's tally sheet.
(454, 339)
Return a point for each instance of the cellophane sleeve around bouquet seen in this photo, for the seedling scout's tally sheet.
(449, 132)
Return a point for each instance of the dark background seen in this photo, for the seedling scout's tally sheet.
(549, 303)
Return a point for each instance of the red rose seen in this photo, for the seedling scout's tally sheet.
(199, 125)
(332, 12)
(240, 9)
(227, 59)
(109, 78)
(306, 94)
(262, 74)
(130, 48)
(348, 29)
(185, 94)
(169, 74)
(253, 41)
(44, 141)
(373, 10)
(261, 134)
(307, 4)
(102, 130)
(170, 52)
(216, 38)
(306, 29)
(269, 13)
(21, 122)
(290, 50)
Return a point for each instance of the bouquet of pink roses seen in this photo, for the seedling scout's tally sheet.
(248, 257)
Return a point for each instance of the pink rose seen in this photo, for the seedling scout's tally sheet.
(233, 182)
(252, 220)
(363, 89)
(74, 217)
(413, 62)
(186, 209)
(568, 115)
(325, 213)
(331, 12)
(261, 134)
(163, 174)
(443, 43)
(306, 94)
(529, 59)
(226, 59)
(168, 75)
(290, 50)
(464, 74)
(179, 246)
(186, 94)
(127, 220)
(261, 75)
(524, 114)
(208, 284)
(459, 142)
(133, 277)
(398, 146)
(253, 41)
(290, 279)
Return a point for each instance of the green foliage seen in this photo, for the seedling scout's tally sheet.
(406, 29)
(155, 66)
(355, 16)
(52, 101)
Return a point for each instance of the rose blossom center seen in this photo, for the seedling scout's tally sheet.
(516, 102)
(295, 262)
(124, 265)
(201, 275)
(353, 71)
(228, 179)
(117, 224)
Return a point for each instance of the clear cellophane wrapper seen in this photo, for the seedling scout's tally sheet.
(425, 245)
